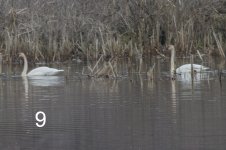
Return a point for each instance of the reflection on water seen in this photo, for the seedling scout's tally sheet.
(46, 80)
(128, 113)
(197, 77)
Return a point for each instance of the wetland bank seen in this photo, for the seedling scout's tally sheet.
(71, 29)
(117, 90)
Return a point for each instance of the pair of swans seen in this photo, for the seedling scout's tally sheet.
(46, 71)
(184, 68)
(40, 71)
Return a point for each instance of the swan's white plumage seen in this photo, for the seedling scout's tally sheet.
(40, 71)
(44, 71)
(187, 68)
(184, 68)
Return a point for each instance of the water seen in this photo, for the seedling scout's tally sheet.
(130, 113)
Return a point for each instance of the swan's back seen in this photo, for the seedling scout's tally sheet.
(187, 68)
(44, 71)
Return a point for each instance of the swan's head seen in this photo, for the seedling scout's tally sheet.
(171, 47)
(21, 55)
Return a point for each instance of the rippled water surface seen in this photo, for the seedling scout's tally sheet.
(130, 113)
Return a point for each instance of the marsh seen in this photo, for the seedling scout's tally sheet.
(130, 112)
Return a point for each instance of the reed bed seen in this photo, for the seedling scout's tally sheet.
(56, 30)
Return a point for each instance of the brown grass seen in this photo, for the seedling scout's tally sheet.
(61, 30)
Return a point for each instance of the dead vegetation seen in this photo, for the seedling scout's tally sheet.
(56, 30)
(102, 68)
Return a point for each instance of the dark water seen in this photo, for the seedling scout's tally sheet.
(130, 113)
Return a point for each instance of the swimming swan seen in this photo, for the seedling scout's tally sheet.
(40, 71)
(184, 68)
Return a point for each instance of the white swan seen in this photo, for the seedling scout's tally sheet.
(40, 71)
(184, 68)
(187, 68)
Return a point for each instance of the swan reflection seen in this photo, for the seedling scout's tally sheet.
(25, 82)
(197, 77)
(46, 80)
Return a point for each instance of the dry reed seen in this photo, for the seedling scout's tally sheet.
(150, 73)
(61, 30)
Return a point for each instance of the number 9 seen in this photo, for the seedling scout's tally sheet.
(42, 120)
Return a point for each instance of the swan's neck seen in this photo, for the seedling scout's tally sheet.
(24, 73)
(172, 66)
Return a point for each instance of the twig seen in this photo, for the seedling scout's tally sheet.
(162, 55)
(200, 56)
(221, 51)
